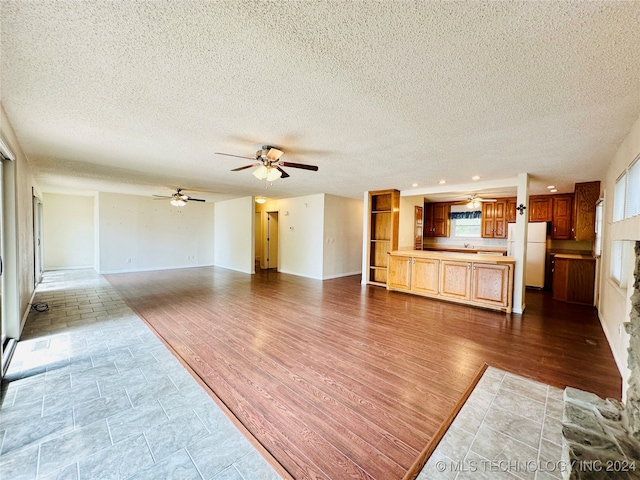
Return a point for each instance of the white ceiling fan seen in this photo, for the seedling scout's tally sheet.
(475, 201)
(178, 199)
(269, 164)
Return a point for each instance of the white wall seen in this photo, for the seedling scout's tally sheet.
(18, 273)
(342, 250)
(234, 236)
(406, 229)
(615, 302)
(68, 231)
(301, 221)
(139, 233)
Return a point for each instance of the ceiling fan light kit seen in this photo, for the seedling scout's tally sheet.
(269, 164)
(178, 199)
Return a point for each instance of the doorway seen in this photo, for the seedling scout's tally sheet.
(37, 240)
(272, 240)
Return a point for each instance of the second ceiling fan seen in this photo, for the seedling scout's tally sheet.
(269, 165)
(475, 201)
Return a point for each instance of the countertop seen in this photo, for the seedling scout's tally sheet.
(573, 256)
(464, 257)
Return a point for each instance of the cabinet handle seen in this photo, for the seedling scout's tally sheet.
(474, 268)
(468, 266)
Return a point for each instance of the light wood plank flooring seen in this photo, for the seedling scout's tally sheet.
(342, 381)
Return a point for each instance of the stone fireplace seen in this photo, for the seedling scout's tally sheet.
(601, 438)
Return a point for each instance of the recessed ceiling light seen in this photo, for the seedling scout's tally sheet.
(475, 177)
(551, 186)
(553, 190)
(414, 184)
(442, 182)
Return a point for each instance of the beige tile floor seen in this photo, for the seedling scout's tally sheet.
(91, 393)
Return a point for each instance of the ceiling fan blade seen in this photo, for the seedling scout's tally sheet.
(488, 199)
(299, 165)
(160, 197)
(231, 155)
(284, 174)
(191, 199)
(245, 167)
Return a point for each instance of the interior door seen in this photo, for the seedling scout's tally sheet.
(272, 240)
(417, 242)
(37, 240)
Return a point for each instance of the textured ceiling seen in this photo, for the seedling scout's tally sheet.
(136, 97)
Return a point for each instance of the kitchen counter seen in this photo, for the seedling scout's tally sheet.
(473, 279)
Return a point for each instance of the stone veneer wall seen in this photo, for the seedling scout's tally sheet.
(633, 329)
(601, 438)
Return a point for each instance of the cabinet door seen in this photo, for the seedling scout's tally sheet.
(494, 219)
(511, 210)
(455, 279)
(500, 219)
(540, 208)
(399, 272)
(441, 219)
(561, 223)
(488, 220)
(417, 229)
(584, 211)
(428, 220)
(490, 284)
(425, 277)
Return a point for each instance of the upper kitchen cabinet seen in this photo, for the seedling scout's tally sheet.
(436, 219)
(540, 208)
(561, 226)
(494, 219)
(584, 210)
(511, 210)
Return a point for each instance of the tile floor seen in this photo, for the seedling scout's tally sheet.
(510, 427)
(91, 393)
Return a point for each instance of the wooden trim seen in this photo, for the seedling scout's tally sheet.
(418, 465)
(271, 460)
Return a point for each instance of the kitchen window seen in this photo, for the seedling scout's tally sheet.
(466, 227)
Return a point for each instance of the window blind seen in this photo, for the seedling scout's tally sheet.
(633, 189)
(619, 198)
(616, 260)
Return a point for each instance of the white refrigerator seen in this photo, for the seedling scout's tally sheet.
(536, 252)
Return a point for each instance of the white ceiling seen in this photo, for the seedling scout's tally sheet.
(135, 97)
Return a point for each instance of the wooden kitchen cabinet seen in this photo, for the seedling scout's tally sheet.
(494, 219)
(473, 279)
(425, 276)
(455, 279)
(540, 208)
(436, 219)
(574, 278)
(511, 210)
(585, 197)
(399, 272)
(490, 284)
(561, 225)
(384, 207)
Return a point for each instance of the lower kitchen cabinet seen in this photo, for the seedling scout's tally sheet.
(479, 280)
(574, 278)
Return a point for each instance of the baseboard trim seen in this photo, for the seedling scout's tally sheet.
(153, 269)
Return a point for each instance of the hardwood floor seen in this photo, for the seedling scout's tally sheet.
(340, 381)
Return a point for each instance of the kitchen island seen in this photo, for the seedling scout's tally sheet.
(473, 279)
